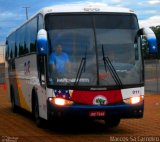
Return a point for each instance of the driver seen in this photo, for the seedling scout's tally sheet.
(59, 60)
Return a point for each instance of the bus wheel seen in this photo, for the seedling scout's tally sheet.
(14, 107)
(112, 122)
(38, 119)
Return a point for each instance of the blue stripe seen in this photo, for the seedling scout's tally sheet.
(100, 107)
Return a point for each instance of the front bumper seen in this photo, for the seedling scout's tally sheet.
(82, 111)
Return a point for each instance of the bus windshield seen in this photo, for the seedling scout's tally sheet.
(93, 50)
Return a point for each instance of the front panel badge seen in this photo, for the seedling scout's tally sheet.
(100, 100)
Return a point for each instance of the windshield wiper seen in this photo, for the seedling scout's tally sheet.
(81, 68)
(108, 63)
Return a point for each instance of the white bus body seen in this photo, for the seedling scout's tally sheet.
(27, 72)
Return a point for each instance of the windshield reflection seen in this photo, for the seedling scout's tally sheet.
(76, 61)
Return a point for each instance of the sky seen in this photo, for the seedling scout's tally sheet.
(12, 12)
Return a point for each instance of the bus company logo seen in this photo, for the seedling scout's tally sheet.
(100, 100)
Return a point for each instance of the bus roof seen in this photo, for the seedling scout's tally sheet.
(75, 8)
(71, 8)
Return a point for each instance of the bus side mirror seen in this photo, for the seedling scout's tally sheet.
(151, 39)
(42, 42)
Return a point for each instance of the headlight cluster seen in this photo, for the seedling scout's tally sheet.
(60, 101)
(134, 100)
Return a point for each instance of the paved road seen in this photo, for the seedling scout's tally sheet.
(20, 127)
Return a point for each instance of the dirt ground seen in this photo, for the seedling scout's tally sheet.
(20, 127)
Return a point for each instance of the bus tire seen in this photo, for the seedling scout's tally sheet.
(39, 121)
(112, 122)
(14, 107)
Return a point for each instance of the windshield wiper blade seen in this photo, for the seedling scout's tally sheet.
(80, 69)
(108, 63)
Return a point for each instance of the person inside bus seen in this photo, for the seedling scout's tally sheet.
(59, 60)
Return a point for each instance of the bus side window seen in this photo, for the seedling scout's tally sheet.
(33, 35)
(40, 22)
(6, 51)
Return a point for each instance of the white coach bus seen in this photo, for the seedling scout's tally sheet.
(78, 61)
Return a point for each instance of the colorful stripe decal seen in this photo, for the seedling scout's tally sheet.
(22, 100)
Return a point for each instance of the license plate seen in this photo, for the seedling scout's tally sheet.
(97, 113)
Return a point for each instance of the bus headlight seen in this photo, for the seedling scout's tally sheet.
(134, 100)
(60, 101)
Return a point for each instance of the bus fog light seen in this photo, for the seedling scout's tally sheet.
(60, 101)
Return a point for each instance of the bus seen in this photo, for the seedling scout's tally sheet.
(78, 61)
